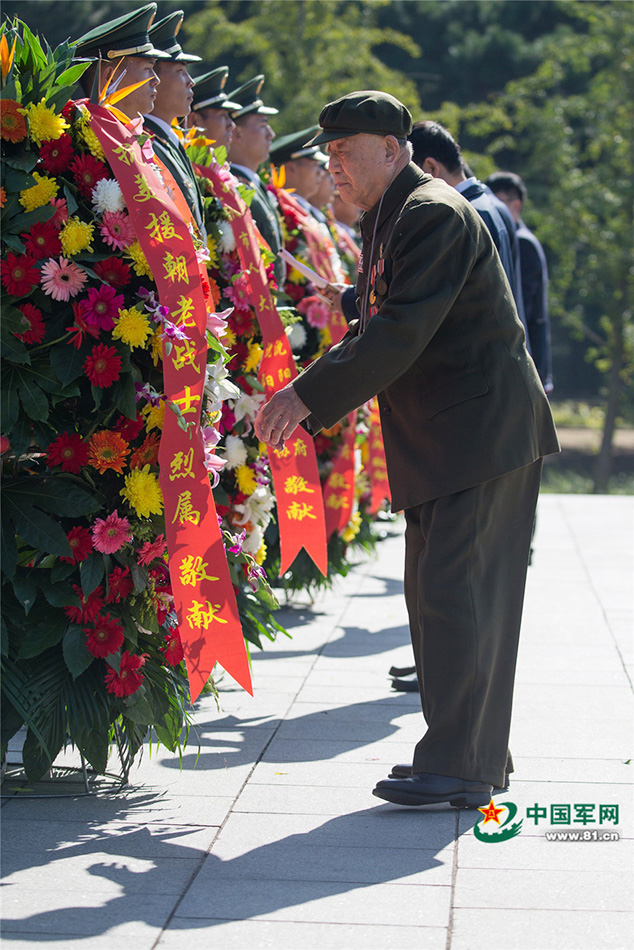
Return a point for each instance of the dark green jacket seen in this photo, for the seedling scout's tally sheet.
(266, 217)
(461, 402)
(177, 162)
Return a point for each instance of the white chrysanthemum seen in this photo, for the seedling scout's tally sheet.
(253, 540)
(106, 196)
(257, 507)
(296, 336)
(226, 241)
(247, 407)
(235, 452)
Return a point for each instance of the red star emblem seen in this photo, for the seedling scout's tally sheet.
(491, 813)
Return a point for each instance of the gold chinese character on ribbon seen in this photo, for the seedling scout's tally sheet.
(162, 228)
(185, 511)
(175, 267)
(295, 484)
(182, 465)
(203, 614)
(300, 510)
(193, 570)
(187, 401)
(144, 193)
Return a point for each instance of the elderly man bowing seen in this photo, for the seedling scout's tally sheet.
(465, 423)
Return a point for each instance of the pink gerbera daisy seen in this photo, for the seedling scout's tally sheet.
(117, 230)
(102, 306)
(61, 212)
(111, 533)
(62, 281)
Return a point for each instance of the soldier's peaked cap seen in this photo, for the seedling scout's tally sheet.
(209, 91)
(163, 35)
(125, 36)
(248, 95)
(287, 148)
(370, 111)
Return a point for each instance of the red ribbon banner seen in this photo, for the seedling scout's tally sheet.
(294, 469)
(208, 618)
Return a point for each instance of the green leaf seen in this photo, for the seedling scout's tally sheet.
(125, 396)
(38, 530)
(8, 547)
(34, 402)
(43, 635)
(59, 594)
(91, 572)
(140, 711)
(14, 349)
(67, 362)
(20, 436)
(54, 493)
(37, 759)
(77, 656)
(25, 589)
(9, 409)
(61, 570)
(70, 76)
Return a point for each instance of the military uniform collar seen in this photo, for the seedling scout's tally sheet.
(397, 192)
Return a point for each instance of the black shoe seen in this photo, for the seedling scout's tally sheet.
(401, 670)
(405, 685)
(425, 788)
(403, 771)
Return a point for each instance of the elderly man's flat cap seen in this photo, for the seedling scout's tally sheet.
(370, 111)
(125, 36)
(163, 35)
(209, 91)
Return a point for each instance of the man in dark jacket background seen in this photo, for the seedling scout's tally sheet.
(465, 423)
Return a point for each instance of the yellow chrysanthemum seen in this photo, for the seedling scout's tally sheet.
(44, 122)
(139, 260)
(89, 138)
(260, 554)
(156, 347)
(76, 236)
(40, 194)
(245, 479)
(228, 339)
(154, 416)
(253, 359)
(214, 256)
(143, 492)
(352, 528)
(365, 452)
(131, 327)
(295, 277)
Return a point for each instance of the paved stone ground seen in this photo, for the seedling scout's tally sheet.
(270, 837)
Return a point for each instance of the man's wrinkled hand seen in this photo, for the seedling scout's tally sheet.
(332, 295)
(279, 417)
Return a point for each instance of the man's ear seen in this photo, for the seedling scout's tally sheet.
(431, 167)
(392, 148)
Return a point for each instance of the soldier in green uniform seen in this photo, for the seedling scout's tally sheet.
(212, 107)
(249, 148)
(465, 423)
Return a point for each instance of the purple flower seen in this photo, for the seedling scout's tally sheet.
(238, 541)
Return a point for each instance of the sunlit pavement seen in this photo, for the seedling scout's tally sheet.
(269, 836)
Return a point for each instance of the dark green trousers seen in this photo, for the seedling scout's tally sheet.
(466, 557)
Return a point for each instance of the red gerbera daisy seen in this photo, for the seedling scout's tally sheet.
(127, 680)
(80, 544)
(55, 154)
(102, 306)
(129, 428)
(89, 606)
(105, 637)
(34, 329)
(147, 453)
(173, 649)
(114, 271)
(70, 451)
(69, 110)
(42, 240)
(151, 550)
(103, 366)
(19, 274)
(120, 584)
(80, 327)
(87, 171)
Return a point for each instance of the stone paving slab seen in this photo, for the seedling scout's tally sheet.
(269, 835)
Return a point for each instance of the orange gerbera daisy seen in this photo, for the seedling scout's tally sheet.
(146, 454)
(12, 124)
(108, 451)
